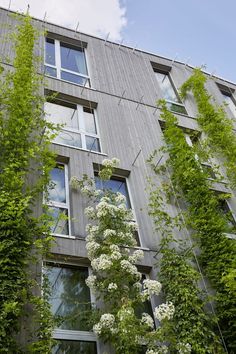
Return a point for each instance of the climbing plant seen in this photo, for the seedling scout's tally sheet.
(116, 280)
(203, 215)
(25, 163)
(179, 275)
(214, 122)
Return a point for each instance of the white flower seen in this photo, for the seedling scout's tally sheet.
(107, 163)
(160, 350)
(164, 311)
(103, 262)
(136, 256)
(114, 248)
(115, 161)
(92, 247)
(97, 328)
(115, 255)
(86, 190)
(91, 281)
(74, 182)
(147, 320)
(107, 320)
(90, 212)
(138, 286)
(112, 286)
(130, 268)
(120, 198)
(184, 348)
(151, 287)
(109, 233)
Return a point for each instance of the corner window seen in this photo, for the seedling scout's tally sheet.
(169, 92)
(58, 200)
(79, 125)
(230, 102)
(70, 302)
(66, 62)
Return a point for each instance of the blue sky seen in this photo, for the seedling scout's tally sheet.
(203, 30)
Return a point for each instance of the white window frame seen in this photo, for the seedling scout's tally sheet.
(63, 205)
(81, 131)
(179, 103)
(74, 335)
(58, 66)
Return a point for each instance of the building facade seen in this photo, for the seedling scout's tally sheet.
(106, 99)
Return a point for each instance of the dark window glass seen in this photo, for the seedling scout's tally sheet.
(115, 184)
(176, 108)
(74, 347)
(50, 52)
(73, 59)
(225, 210)
(57, 192)
(70, 296)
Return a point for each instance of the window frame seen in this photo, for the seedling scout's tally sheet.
(81, 129)
(62, 205)
(73, 335)
(58, 67)
(230, 104)
(179, 102)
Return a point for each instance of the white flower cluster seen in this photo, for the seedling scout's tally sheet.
(184, 348)
(74, 182)
(109, 233)
(90, 212)
(130, 268)
(164, 311)
(103, 262)
(136, 256)
(91, 281)
(147, 320)
(151, 287)
(110, 163)
(125, 313)
(112, 287)
(92, 247)
(115, 255)
(86, 190)
(160, 350)
(106, 322)
(104, 209)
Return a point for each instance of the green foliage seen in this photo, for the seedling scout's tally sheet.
(214, 122)
(204, 217)
(25, 162)
(180, 278)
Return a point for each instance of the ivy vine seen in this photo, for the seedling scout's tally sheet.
(25, 163)
(214, 122)
(203, 215)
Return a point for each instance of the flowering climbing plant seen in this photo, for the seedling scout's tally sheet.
(115, 278)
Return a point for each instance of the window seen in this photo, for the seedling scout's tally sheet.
(66, 62)
(70, 301)
(79, 126)
(169, 92)
(225, 211)
(58, 200)
(117, 184)
(230, 101)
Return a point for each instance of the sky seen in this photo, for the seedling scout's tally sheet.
(201, 32)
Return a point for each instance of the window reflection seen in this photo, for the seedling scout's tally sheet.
(115, 184)
(70, 296)
(73, 59)
(74, 347)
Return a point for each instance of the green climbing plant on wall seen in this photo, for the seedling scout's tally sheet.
(25, 163)
(214, 122)
(203, 215)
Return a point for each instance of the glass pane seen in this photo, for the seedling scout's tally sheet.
(114, 185)
(89, 121)
(166, 87)
(73, 59)
(59, 114)
(70, 297)
(225, 211)
(57, 189)
(176, 108)
(60, 224)
(74, 347)
(231, 105)
(50, 71)
(92, 144)
(50, 51)
(69, 138)
(77, 79)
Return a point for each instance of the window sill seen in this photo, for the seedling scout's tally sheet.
(230, 236)
(74, 335)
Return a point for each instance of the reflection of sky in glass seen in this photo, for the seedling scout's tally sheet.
(58, 191)
(73, 59)
(74, 347)
(115, 186)
(60, 218)
(80, 80)
(50, 51)
(92, 143)
(166, 87)
(230, 104)
(69, 295)
(89, 121)
(62, 115)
